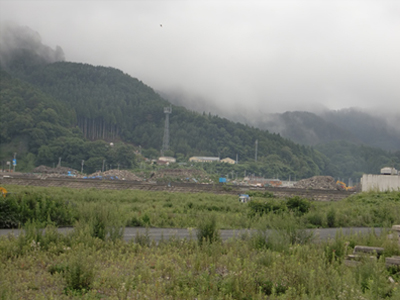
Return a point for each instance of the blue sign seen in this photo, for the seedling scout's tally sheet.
(14, 162)
(222, 180)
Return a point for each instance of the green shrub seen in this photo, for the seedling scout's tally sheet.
(103, 220)
(260, 208)
(315, 219)
(331, 218)
(298, 205)
(20, 207)
(207, 230)
(260, 194)
(8, 213)
(79, 272)
(135, 222)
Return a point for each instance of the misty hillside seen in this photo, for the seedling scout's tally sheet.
(343, 125)
(110, 105)
(54, 111)
(371, 130)
(309, 128)
(306, 128)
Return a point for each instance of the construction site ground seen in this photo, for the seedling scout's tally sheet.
(104, 183)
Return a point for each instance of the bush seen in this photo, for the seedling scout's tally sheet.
(207, 230)
(331, 218)
(298, 205)
(19, 208)
(103, 220)
(315, 219)
(260, 208)
(265, 194)
(79, 272)
(8, 213)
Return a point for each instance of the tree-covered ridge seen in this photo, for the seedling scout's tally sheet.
(108, 103)
(43, 129)
(352, 160)
(25, 110)
(112, 105)
(97, 104)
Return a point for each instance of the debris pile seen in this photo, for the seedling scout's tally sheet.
(183, 175)
(115, 174)
(55, 172)
(317, 183)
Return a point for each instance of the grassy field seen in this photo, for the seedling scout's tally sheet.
(92, 262)
(64, 206)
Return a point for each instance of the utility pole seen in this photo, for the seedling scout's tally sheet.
(82, 166)
(255, 156)
(102, 169)
(14, 161)
(59, 162)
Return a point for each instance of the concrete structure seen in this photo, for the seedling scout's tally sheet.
(203, 159)
(228, 161)
(380, 183)
(167, 159)
(388, 171)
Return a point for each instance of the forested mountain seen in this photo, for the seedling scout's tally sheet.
(72, 111)
(111, 105)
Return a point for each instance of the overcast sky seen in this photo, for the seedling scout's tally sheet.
(257, 56)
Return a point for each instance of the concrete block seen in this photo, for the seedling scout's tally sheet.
(396, 228)
(366, 249)
(392, 261)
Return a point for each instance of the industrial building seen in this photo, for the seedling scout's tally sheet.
(388, 180)
(166, 160)
(228, 161)
(204, 159)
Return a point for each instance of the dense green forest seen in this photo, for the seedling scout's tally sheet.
(73, 111)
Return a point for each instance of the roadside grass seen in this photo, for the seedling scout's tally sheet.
(45, 264)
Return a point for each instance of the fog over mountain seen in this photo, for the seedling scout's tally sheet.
(243, 57)
(16, 39)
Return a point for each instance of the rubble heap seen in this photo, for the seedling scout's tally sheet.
(317, 183)
(183, 175)
(54, 172)
(116, 174)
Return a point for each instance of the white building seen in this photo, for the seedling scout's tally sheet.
(203, 159)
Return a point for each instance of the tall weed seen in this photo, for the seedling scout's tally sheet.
(207, 231)
(79, 272)
(102, 220)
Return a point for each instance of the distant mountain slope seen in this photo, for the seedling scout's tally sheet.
(306, 128)
(351, 125)
(371, 130)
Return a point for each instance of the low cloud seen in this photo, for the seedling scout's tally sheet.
(18, 40)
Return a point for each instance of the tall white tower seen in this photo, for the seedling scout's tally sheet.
(165, 146)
